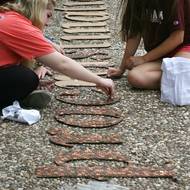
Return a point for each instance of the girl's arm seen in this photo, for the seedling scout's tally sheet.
(173, 41)
(56, 46)
(71, 68)
(130, 49)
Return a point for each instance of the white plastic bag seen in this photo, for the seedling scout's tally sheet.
(16, 113)
(175, 82)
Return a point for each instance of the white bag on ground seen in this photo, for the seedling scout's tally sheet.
(175, 82)
(16, 113)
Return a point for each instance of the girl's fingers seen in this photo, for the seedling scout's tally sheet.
(49, 72)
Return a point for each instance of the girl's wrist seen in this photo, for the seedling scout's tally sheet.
(122, 67)
(96, 80)
(122, 70)
(145, 58)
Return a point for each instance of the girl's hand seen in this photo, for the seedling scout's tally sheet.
(107, 86)
(133, 61)
(114, 72)
(41, 71)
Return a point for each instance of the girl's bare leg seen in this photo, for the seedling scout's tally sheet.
(146, 76)
(183, 54)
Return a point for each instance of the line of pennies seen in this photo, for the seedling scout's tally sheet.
(89, 15)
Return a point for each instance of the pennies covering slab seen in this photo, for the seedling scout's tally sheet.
(98, 117)
(90, 154)
(90, 99)
(100, 172)
(69, 139)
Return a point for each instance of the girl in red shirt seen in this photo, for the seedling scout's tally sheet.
(21, 37)
(164, 27)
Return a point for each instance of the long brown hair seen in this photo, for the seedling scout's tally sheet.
(137, 14)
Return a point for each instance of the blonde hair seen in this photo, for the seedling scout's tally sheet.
(34, 10)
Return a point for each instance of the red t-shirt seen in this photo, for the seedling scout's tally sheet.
(19, 39)
(158, 31)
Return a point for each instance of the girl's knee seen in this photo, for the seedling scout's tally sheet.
(136, 79)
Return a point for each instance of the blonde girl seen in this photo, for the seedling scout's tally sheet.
(21, 37)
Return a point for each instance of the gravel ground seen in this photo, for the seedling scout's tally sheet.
(155, 133)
